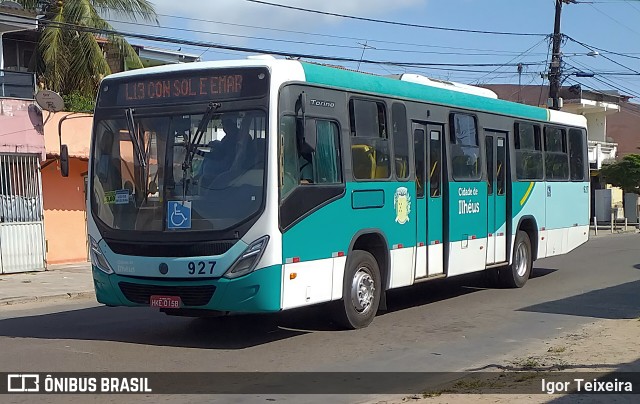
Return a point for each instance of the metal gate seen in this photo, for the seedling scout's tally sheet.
(22, 240)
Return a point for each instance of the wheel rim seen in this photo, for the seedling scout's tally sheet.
(521, 260)
(362, 290)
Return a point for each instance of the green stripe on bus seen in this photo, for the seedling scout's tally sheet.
(387, 86)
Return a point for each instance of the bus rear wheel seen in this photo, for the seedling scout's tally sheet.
(361, 291)
(517, 274)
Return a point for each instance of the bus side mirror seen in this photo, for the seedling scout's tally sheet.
(64, 160)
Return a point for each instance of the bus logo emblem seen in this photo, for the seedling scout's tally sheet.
(402, 204)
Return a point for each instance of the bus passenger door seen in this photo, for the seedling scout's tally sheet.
(427, 140)
(420, 159)
(496, 149)
(435, 205)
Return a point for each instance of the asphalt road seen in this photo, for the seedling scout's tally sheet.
(448, 325)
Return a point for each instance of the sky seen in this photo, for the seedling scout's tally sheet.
(609, 27)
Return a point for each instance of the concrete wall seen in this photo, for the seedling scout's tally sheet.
(76, 133)
(21, 128)
(64, 198)
(65, 213)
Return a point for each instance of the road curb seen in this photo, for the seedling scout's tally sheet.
(605, 233)
(12, 301)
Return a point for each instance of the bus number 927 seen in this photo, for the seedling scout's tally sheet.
(201, 267)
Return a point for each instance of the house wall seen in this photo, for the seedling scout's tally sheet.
(64, 198)
(624, 128)
(21, 127)
(65, 212)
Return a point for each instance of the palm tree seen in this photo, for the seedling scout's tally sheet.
(71, 59)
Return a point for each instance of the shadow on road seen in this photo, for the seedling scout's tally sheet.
(616, 302)
(147, 326)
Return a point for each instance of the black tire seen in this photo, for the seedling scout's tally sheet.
(517, 274)
(361, 274)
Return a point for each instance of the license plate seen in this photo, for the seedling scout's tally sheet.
(166, 302)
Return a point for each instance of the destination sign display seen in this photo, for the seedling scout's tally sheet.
(198, 86)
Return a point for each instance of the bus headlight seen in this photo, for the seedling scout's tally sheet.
(98, 259)
(247, 262)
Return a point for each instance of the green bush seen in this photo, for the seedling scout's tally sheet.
(77, 102)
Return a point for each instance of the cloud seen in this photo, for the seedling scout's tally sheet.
(240, 11)
(264, 16)
(242, 23)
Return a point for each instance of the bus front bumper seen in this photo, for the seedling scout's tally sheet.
(257, 292)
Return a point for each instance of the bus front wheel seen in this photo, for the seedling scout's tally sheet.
(517, 274)
(361, 291)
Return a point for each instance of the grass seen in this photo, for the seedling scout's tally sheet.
(529, 363)
(557, 349)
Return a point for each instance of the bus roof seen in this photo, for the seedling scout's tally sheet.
(466, 97)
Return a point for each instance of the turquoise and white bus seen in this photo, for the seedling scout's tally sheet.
(264, 185)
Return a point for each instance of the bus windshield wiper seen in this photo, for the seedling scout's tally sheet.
(131, 124)
(197, 137)
(192, 143)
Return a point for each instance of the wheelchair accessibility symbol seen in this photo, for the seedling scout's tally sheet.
(179, 215)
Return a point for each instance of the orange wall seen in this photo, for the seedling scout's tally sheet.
(64, 213)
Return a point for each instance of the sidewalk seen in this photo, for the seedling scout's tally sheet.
(606, 231)
(57, 283)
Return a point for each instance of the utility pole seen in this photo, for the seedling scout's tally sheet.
(555, 69)
(520, 82)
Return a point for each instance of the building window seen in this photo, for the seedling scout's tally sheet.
(369, 140)
(556, 157)
(465, 151)
(529, 164)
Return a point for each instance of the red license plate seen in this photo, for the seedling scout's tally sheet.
(166, 302)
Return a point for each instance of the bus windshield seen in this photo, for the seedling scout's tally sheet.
(199, 172)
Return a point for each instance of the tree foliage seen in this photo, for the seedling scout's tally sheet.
(624, 174)
(72, 60)
(78, 102)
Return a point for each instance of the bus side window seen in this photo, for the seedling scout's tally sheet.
(465, 149)
(326, 165)
(418, 141)
(400, 140)
(556, 157)
(488, 142)
(576, 154)
(369, 142)
(529, 164)
(309, 156)
(435, 172)
(289, 164)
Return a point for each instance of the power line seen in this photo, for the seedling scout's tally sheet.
(298, 42)
(403, 24)
(591, 47)
(613, 19)
(324, 35)
(605, 57)
(608, 82)
(512, 60)
(164, 39)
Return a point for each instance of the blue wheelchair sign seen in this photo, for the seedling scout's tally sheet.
(179, 215)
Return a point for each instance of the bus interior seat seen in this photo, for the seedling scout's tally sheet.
(363, 161)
